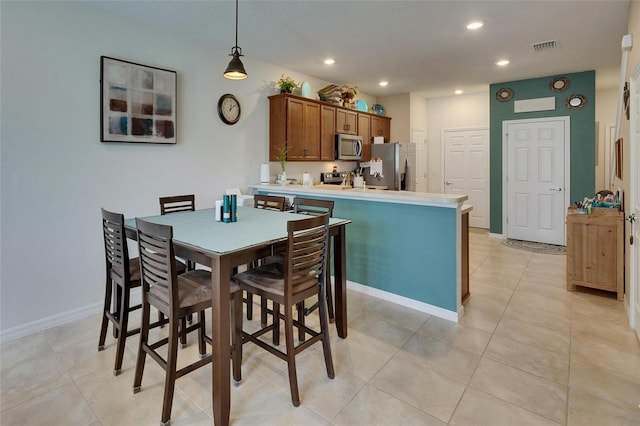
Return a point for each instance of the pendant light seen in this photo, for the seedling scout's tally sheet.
(235, 70)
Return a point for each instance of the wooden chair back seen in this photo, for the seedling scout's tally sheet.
(115, 247)
(269, 202)
(313, 206)
(157, 266)
(306, 256)
(177, 203)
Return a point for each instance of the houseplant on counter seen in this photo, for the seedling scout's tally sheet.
(282, 159)
(286, 84)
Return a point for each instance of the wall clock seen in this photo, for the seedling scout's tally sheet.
(229, 109)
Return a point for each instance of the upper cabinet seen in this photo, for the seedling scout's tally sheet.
(346, 121)
(327, 132)
(364, 131)
(295, 122)
(308, 127)
(381, 126)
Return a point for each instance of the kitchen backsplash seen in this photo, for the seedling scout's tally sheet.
(296, 169)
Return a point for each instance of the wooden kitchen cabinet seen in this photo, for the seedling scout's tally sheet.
(346, 121)
(308, 127)
(381, 126)
(595, 250)
(364, 130)
(327, 132)
(295, 122)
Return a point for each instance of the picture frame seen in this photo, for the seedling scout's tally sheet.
(618, 146)
(137, 102)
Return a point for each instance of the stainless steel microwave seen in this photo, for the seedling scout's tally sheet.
(348, 147)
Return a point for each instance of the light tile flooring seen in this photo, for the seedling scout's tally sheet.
(527, 352)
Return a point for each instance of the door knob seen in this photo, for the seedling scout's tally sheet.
(448, 183)
(556, 189)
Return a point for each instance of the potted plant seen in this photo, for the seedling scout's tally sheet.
(286, 84)
(282, 159)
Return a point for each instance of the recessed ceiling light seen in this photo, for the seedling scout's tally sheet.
(383, 83)
(502, 62)
(475, 25)
(329, 61)
(459, 92)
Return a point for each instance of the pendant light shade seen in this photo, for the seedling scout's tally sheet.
(235, 69)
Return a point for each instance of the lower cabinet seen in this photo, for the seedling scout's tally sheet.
(595, 250)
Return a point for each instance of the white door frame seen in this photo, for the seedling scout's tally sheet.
(631, 298)
(567, 162)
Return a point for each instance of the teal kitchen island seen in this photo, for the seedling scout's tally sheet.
(409, 248)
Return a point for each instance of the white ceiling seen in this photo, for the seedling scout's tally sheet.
(418, 46)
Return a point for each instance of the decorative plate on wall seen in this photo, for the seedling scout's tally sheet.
(505, 94)
(575, 102)
(559, 84)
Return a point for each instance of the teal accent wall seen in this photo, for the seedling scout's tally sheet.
(582, 130)
(403, 249)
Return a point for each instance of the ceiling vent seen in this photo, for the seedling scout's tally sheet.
(545, 45)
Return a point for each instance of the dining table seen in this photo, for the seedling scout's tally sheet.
(221, 246)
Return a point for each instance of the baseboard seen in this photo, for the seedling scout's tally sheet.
(80, 313)
(497, 236)
(49, 322)
(405, 301)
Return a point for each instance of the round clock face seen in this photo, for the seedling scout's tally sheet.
(229, 109)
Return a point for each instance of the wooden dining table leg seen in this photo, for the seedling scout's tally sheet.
(220, 371)
(340, 274)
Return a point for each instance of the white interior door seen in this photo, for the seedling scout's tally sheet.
(535, 179)
(419, 137)
(633, 289)
(465, 170)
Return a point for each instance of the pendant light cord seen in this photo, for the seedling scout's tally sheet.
(237, 24)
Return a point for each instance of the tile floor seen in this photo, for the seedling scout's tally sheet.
(527, 352)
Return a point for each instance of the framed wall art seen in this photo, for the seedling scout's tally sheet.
(137, 102)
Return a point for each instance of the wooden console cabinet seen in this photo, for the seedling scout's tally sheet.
(595, 250)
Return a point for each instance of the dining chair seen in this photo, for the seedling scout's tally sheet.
(176, 296)
(303, 277)
(122, 275)
(175, 204)
(267, 202)
(314, 206)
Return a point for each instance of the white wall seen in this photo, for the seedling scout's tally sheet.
(56, 174)
(398, 108)
(418, 117)
(455, 112)
(606, 107)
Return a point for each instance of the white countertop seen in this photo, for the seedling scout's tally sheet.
(384, 196)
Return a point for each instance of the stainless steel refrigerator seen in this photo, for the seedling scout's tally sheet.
(396, 166)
